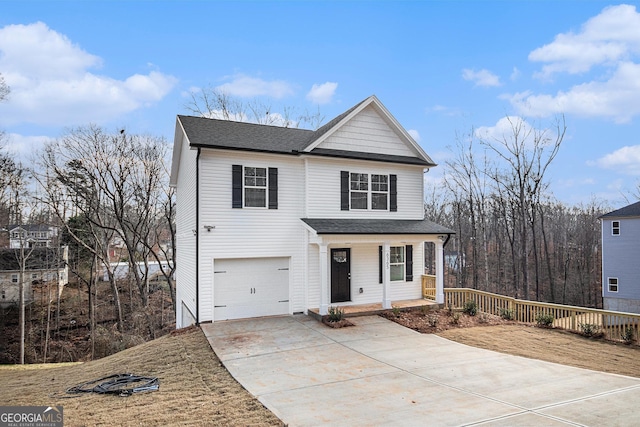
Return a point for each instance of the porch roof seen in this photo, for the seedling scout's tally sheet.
(375, 226)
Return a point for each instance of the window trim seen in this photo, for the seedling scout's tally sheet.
(238, 192)
(347, 191)
(14, 278)
(615, 228)
(610, 283)
(264, 188)
(403, 263)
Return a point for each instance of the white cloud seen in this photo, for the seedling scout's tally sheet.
(23, 146)
(609, 41)
(504, 129)
(249, 87)
(607, 38)
(414, 134)
(616, 98)
(515, 74)
(481, 78)
(52, 84)
(625, 160)
(322, 94)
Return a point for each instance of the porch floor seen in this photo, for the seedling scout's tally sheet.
(376, 308)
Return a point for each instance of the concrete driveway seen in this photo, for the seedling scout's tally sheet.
(380, 373)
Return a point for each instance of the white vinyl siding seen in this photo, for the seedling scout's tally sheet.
(185, 236)
(323, 187)
(369, 133)
(250, 233)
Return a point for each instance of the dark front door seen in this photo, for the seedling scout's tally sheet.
(340, 275)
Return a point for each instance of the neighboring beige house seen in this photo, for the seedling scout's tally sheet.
(274, 220)
(44, 266)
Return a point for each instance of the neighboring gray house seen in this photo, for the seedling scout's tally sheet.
(621, 259)
(274, 220)
(32, 235)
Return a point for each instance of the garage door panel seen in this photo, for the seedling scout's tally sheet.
(250, 287)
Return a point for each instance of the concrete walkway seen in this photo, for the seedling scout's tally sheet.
(380, 373)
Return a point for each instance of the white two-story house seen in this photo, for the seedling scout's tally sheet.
(274, 220)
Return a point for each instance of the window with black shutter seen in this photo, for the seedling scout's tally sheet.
(254, 187)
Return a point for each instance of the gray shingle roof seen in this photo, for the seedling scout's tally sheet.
(375, 226)
(629, 210)
(203, 132)
(225, 134)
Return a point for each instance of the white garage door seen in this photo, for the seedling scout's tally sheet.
(250, 287)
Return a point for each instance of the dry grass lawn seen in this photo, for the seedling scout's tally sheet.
(552, 345)
(195, 389)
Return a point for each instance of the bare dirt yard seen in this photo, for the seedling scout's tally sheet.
(195, 389)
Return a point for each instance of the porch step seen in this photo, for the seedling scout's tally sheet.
(372, 309)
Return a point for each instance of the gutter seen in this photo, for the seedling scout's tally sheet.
(198, 237)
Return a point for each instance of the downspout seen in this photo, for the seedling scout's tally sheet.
(198, 237)
(446, 241)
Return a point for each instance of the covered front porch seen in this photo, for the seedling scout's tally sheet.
(368, 266)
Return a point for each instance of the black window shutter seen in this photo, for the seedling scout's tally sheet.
(236, 192)
(393, 193)
(344, 190)
(408, 259)
(380, 264)
(273, 188)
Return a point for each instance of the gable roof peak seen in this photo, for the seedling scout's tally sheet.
(632, 210)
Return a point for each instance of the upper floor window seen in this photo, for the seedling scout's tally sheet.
(14, 278)
(254, 187)
(615, 228)
(368, 191)
(613, 284)
(359, 191)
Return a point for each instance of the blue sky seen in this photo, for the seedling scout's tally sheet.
(440, 67)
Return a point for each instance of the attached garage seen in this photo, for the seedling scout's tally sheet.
(250, 287)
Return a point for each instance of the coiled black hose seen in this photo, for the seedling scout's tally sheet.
(119, 384)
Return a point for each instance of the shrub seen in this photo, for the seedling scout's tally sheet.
(335, 314)
(450, 309)
(544, 320)
(470, 307)
(433, 320)
(627, 335)
(507, 314)
(396, 311)
(455, 318)
(590, 329)
(483, 318)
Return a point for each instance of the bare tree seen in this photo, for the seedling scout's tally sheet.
(525, 154)
(216, 104)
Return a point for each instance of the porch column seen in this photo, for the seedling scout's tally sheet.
(386, 275)
(324, 280)
(439, 271)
